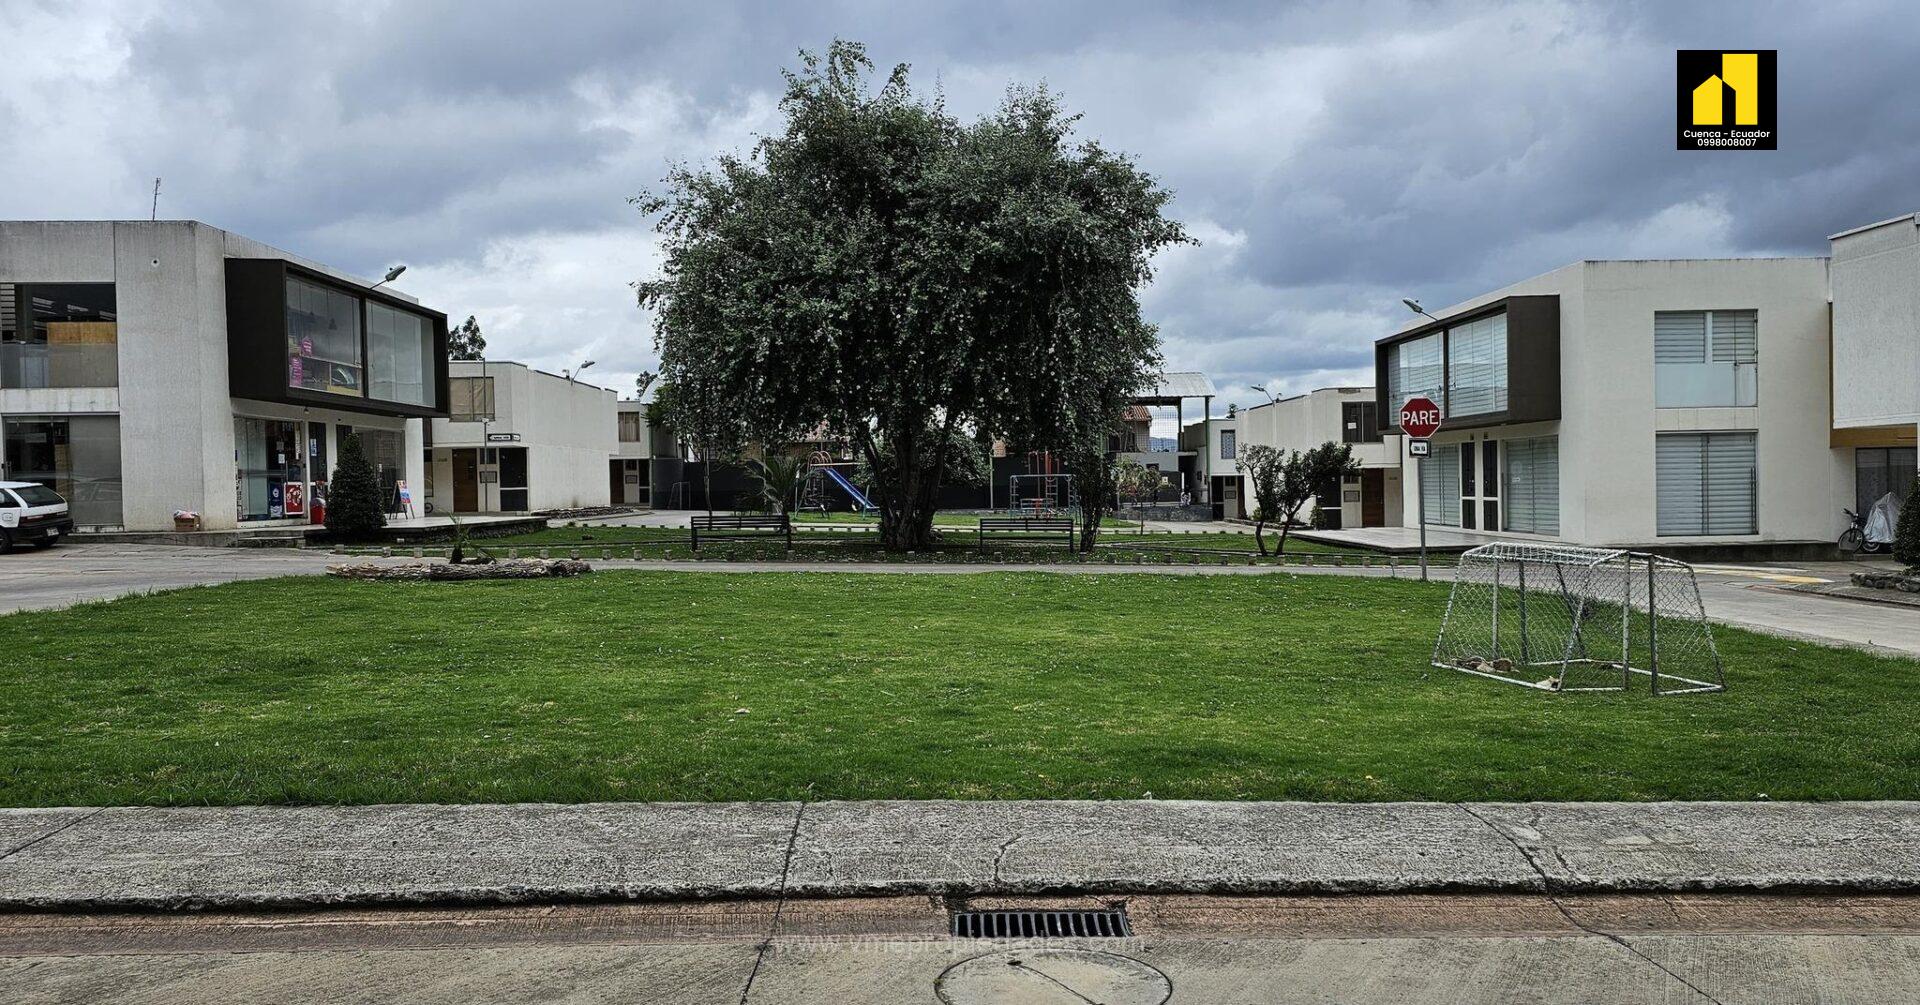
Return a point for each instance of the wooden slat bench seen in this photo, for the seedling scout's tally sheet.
(734, 527)
(1048, 525)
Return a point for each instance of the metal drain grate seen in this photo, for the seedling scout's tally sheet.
(1041, 924)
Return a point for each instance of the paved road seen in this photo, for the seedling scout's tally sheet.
(1429, 950)
(1749, 596)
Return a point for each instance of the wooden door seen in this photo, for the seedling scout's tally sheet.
(1373, 497)
(466, 481)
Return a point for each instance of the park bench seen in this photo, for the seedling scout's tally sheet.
(1048, 525)
(733, 527)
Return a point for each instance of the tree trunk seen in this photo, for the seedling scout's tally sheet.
(1258, 526)
(1286, 523)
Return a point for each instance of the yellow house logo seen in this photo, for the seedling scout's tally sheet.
(1728, 100)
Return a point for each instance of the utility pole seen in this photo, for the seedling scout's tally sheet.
(154, 213)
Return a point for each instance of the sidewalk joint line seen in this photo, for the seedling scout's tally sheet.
(779, 904)
(82, 818)
(1546, 889)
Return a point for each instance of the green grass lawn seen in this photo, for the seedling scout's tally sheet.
(707, 686)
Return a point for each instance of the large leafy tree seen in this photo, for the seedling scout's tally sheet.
(886, 269)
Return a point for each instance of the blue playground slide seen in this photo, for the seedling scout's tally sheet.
(859, 498)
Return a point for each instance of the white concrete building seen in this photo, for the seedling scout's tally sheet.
(1669, 404)
(1876, 356)
(520, 440)
(152, 367)
(1349, 415)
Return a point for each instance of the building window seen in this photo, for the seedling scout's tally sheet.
(323, 339)
(1533, 485)
(399, 356)
(1414, 368)
(1440, 486)
(1477, 367)
(1706, 483)
(470, 399)
(1878, 471)
(1359, 422)
(1705, 359)
(1227, 445)
(59, 335)
(630, 427)
(77, 456)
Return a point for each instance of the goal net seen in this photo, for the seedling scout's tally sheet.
(1578, 619)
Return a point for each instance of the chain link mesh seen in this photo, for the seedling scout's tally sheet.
(1578, 619)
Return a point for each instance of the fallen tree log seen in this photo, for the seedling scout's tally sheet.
(513, 568)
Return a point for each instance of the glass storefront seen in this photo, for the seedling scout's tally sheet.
(77, 456)
(270, 480)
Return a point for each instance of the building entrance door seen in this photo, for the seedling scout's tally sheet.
(1373, 497)
(466, 481)
(1480, 485)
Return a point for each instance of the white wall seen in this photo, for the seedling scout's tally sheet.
(1876, 325)
(569, 429)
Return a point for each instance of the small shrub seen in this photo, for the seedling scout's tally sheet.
(1906, 534)
(354, 512)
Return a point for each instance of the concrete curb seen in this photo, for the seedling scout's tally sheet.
(254, 857)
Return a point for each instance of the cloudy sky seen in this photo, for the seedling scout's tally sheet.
(1332, 157)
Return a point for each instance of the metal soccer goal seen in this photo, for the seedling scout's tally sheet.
(1590, 617)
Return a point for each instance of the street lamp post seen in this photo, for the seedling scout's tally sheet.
(1414, 306)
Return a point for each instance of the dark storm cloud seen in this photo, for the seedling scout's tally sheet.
(1332, 156)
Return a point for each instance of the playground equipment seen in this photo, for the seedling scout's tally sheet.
(816, 492)
(1593, 617)
(1041, 495)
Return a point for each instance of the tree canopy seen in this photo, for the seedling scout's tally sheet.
(464, 340)
(886, 269)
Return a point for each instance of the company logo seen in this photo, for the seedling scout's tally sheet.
(1727, 100)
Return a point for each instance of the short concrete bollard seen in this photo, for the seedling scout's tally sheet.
(386, 553)
(419, 552)
(544, 553)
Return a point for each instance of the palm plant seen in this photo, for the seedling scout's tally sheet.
(780, 476)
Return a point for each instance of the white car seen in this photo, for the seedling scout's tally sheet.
(31, 513)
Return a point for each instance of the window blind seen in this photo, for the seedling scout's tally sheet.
(1533, 485)
(1705, 483)
(1680, 336)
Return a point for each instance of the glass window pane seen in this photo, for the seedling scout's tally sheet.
(399, 356)
(1477, 367)
(1414, 368)
(323, 339)
(59, 335)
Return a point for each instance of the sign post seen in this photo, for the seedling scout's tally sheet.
(1419, 420)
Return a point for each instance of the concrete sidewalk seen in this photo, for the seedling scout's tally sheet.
(135, 857)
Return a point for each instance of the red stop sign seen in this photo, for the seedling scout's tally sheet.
(1420, 417)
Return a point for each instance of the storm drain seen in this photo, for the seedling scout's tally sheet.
(1041, 924)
